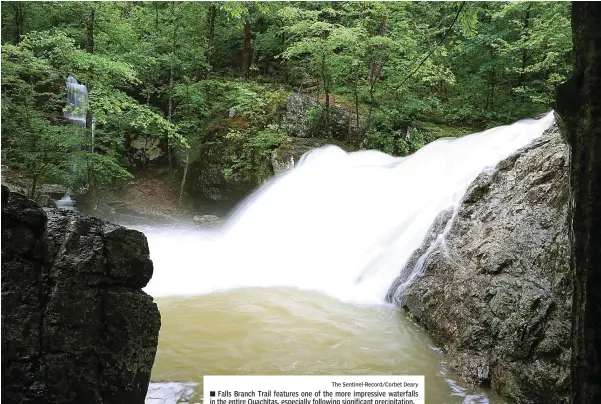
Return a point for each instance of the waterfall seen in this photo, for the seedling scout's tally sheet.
(75, 110)
(77, 98)
(340, 223)
(66, 203)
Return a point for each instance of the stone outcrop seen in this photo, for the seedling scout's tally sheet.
(146, 148)
(208, 220)
(292, 149)
(299, 109)
(304, 118)
(495, 290)
(76, 326)
(228, 167)
(42, 196)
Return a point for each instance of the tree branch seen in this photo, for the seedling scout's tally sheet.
(432, 51)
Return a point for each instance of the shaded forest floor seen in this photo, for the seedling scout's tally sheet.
(152, 196)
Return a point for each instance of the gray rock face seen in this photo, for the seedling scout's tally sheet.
(53, 189)
(281, 163)
(495, 291)
(14, 188)
(304, 118)
(146, 149)
(208, 220)
(45, 200)
(292, 149)
(297, 120)
(76, 328)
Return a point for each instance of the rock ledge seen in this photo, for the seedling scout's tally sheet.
(76, 326)
(495, 291)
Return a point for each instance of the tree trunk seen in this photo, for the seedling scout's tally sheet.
(156, 18)
(247, 51)
(356, 100)
(578, 102)
(349, 120)
(171, 78)
(326, 90)
(493, 77)
(492, 89)
(90, 32)
(376, 65)
(525, 51)
(489, 93)
(375, 71)
(211, 37)
(19, 21)
(89, 116)
(169, 112)
(372, 101)
(34, 183)
(395, 143)
(89, 49)
(183, 183)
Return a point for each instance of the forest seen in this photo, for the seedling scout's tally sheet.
(206, 90)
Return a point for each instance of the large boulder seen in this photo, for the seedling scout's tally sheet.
(146, 149)
(300, 111)
(76, 326)
(208, 179)
(492, 279)
(305, 118)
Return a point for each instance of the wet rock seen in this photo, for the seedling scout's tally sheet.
(207, 174)
(208, 220)
(75, 325)
(173, 392)
(14, 188)
(280, 162)
(52, 189)
(292, 148)
(495, 291)
(45, 200)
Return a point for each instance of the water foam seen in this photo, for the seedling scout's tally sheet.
(340, 223)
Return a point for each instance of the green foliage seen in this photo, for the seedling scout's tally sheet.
(510, 62)
(171, 71)
(252, 154)
(32, 79)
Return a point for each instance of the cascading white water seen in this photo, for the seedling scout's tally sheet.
(76, 108)
(340, 223)
(66, 203)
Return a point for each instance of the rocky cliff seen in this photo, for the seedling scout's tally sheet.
(492, 281)
(76, 327)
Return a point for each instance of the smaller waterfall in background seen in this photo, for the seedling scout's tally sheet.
(77, 97)
(66, 203)
(75, 110)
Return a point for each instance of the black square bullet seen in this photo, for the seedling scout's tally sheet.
(212, 393)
